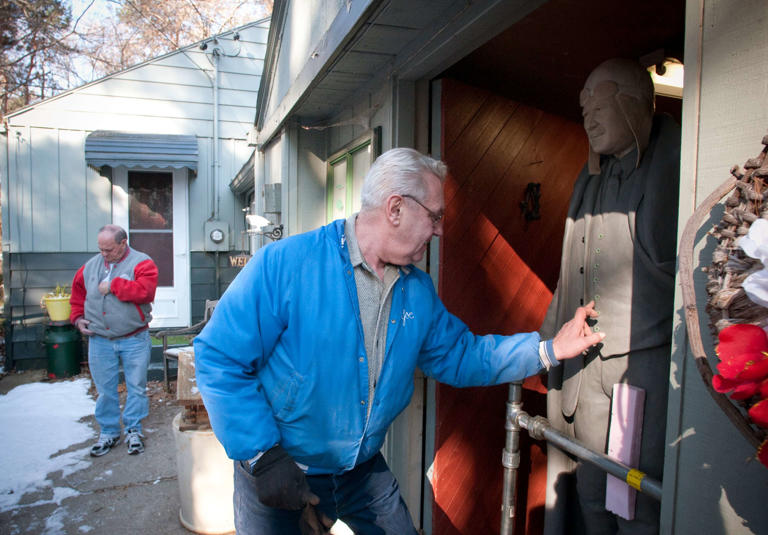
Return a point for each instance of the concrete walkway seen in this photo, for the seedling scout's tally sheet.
(117, 493)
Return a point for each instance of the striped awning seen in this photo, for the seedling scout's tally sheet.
(106, 147)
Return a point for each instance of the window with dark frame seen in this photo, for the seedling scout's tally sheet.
(346, 172)
(150, 219)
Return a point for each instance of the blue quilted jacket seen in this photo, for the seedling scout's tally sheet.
(282, 359)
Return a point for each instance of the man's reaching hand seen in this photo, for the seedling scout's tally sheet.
(576, 336)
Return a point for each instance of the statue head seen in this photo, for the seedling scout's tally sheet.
(617, 104)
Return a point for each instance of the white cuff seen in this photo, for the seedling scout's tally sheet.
(547, 354)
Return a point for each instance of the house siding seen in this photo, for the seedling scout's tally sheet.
(306, 23)
(711, 481)
(28, 276)
(54, 202)
(204, 279)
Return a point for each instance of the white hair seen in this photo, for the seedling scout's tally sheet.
(398, 171)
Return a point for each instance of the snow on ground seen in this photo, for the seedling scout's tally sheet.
(39, 420)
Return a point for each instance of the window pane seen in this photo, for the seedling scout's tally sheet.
(361, 162)
(159, 246)
(150, 219)
(150, 200)
(340, 190)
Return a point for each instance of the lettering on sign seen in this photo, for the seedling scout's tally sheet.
(239, 260)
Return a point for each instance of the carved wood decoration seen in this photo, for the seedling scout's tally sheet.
(726, 304)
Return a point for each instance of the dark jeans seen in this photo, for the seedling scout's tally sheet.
(367, 499)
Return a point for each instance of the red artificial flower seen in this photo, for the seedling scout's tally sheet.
(758, 413)
(749, 366)
(740, 389)
(742, 338)
(743, 352)
(744, 390)
(723, 385)
(762, 453)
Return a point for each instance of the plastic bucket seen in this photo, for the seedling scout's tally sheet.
(205, 481)
(58, 307)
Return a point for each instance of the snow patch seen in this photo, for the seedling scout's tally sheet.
(45, 419)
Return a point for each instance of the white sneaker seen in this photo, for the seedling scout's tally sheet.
(103, 445)
(133, 439)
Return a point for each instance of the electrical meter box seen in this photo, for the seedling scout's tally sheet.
(216, 236)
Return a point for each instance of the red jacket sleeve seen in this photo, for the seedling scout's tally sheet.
(141, 289)
(77, 297)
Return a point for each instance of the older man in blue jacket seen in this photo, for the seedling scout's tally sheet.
(311, 353)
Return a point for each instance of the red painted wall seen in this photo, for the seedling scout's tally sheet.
(497, 273)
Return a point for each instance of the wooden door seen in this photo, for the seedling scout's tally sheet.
(497, 273)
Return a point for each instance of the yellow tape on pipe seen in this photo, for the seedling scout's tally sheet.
(634, 478)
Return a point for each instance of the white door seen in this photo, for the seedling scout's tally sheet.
(151, 204)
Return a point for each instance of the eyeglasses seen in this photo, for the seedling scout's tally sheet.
(434, 216)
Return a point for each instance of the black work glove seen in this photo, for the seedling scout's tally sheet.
(280, 483)
(314, 522)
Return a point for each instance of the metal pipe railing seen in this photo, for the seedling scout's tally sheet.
(510, 459)
(540, 429)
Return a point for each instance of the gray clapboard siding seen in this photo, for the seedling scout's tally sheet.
(131, 120)
(27, 277)
(309, 21)
(177, 93)
(203, 279)
(710, 475)
(75, 193)
(153, 108)
(56, 203)
(30, 275)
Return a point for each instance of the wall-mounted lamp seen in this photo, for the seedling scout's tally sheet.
(257, 223)
(667, 78)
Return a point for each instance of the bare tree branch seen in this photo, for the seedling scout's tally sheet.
(43, 50)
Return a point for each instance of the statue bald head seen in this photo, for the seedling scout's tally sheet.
(617, 104)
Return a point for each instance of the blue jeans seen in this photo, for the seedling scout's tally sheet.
(367, 499)
(104, 357)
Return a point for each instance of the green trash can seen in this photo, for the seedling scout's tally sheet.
(63, 348)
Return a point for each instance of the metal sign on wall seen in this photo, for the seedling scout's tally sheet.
(238, 260)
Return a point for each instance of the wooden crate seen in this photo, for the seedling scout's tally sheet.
(194, 417)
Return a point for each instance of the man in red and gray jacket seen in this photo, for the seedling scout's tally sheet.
(111, 304)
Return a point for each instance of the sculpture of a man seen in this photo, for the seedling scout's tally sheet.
(618, 250)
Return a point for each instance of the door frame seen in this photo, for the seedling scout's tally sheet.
(171, 307)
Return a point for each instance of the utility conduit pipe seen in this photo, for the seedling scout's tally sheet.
(215, 53)
(540, 429)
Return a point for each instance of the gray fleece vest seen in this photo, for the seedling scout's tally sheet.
(110, 317)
